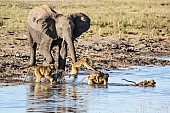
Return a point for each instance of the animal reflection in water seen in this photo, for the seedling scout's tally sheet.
(145, 83)
(42, 96)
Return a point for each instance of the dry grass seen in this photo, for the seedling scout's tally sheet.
(139, 18)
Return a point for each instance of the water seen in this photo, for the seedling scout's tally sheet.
(117, 97)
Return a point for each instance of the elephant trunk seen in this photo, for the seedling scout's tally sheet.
(71, 48)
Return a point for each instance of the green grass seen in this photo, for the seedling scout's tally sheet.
(138, 18)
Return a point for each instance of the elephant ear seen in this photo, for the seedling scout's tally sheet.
(41, 18)
(37, 14)
(82, 23)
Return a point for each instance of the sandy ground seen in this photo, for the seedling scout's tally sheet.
(106, 53)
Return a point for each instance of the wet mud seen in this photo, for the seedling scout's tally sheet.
(104, 53)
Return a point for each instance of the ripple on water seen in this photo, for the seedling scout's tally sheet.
(118, 97)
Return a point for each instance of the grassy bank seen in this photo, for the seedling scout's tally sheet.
(138, 18)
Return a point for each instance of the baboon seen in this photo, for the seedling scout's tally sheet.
(43, 71)
(144, 83)
(104, 79)
(97, 77)
(151, 83)
(78, 64)
(94, 78)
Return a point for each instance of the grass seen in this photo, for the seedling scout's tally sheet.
(138, 18)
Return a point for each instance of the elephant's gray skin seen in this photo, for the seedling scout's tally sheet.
(47, 28)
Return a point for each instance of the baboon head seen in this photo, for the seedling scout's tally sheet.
(152, 82)
(84, 58)
(105, 77)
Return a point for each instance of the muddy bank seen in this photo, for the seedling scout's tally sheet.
(106, 53)
(109, 53)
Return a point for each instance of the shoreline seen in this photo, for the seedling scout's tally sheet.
(104, 53)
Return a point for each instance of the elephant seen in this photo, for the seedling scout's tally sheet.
(47, 28)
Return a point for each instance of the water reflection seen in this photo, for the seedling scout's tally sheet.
(61, 98)
(117, 97)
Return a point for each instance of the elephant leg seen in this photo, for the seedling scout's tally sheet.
(62, 56)
(45, 50)
(32, 50)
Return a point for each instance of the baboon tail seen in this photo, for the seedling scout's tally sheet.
(129, 81)
(82, 79)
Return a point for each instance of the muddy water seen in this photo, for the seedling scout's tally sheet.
(117, 97)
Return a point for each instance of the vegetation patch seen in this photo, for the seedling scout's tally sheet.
(108, 17)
